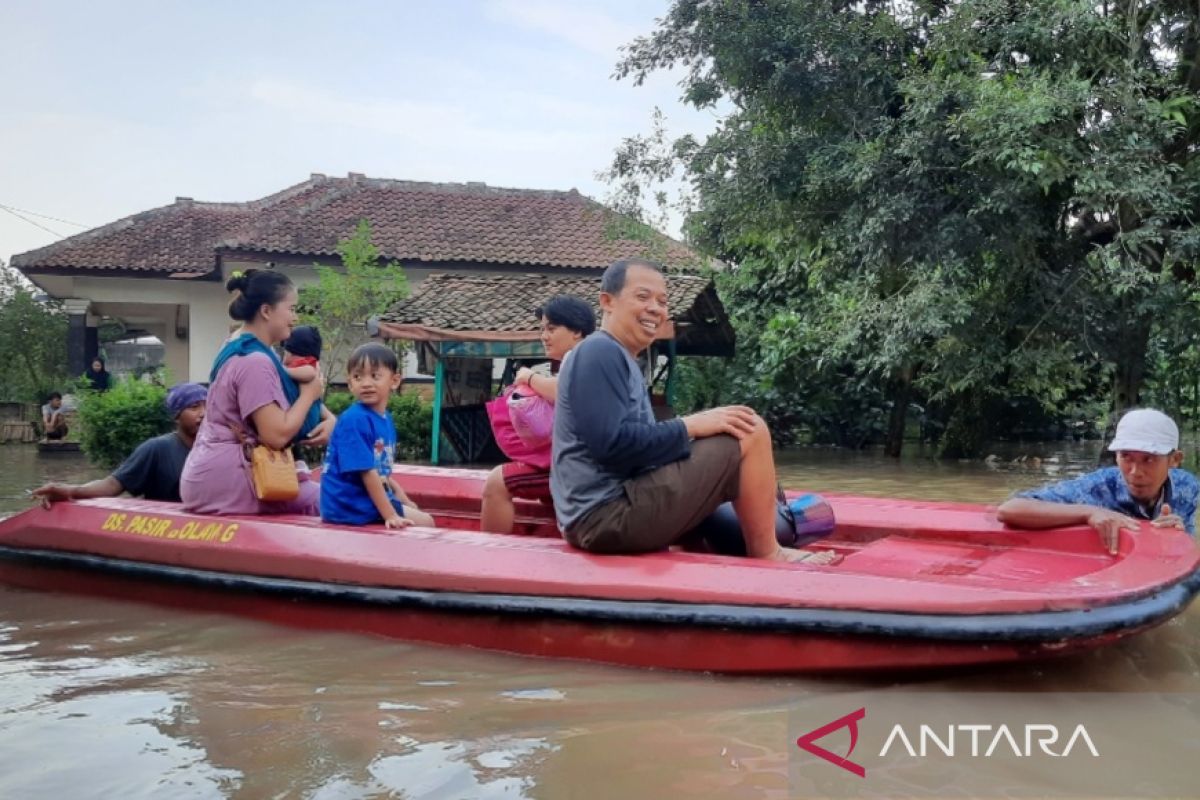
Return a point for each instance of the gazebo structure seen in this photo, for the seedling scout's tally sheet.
(462, 323)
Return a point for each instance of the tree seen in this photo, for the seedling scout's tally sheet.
(956, 203)
(341, 300)
(117, 421)
(33, 341)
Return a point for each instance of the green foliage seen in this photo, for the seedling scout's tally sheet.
(942, 205)
(115, 422)
(33, 342)
(412, 415)
(1173, 362)
(341, 300)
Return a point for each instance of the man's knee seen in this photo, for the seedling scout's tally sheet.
(758, 439)
(493, 487)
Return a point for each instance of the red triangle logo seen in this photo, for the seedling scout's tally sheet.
(808, 742)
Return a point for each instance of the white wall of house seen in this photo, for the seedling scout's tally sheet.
(176, 357)
(190, 317)
(208, 320)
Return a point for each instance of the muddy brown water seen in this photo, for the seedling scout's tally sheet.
(102, 698)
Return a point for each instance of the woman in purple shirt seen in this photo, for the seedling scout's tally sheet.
(251, 393)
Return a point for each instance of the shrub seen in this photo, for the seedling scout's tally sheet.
(414, 426)
(113, 423)
(412, 416)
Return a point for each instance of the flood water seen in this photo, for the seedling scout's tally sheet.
(118, 699)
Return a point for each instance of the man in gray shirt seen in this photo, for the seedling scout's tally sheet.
(624, 483)
(54, 419)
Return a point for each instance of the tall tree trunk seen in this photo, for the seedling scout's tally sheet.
(1128, 376)
(1195, 402)
(901, 391)
(966, 432)
(1130, 370)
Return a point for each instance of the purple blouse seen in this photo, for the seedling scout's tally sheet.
(216, 478)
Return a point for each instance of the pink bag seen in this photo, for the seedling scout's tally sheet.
(511, 443)
(532, 418)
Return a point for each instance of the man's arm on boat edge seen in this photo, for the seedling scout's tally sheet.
(1025, 512)
(56, 492)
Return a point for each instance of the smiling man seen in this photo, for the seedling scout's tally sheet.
(1146, 484)
(625, 483)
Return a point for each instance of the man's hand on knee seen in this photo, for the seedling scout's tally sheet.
(736, 421)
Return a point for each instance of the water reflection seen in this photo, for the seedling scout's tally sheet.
(23, 469)
(73, 722)
(204, 706)
(919, 474)
(177, 704)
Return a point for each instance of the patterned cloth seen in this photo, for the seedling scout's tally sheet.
(182, 396)
(526, 482)
(1106, 488)
(290, 361)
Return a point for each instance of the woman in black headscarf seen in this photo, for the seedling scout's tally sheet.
(97, 375)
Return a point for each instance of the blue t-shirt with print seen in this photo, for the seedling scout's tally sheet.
(1106, 488)
(363, 439)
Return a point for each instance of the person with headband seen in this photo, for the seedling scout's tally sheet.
(152, 471)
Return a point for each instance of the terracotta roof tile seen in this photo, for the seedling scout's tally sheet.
(175, 238)
(427, 222)
(505, 303)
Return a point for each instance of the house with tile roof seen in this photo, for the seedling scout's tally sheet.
(162, 271)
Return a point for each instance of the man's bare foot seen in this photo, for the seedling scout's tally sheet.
(820, 558)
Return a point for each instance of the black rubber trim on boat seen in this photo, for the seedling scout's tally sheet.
(1041, 626)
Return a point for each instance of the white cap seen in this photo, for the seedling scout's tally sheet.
(1146, 431)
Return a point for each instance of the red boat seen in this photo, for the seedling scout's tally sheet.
(919, 585)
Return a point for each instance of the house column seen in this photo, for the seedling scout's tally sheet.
(82, 342)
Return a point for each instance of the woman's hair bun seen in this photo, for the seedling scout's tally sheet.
(253, 289)
(238, 281)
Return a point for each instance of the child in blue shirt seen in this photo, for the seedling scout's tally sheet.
(357, 487)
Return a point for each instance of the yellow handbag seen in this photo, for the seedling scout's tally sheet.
(273, 472)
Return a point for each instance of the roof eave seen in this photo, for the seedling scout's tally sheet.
(183, 273)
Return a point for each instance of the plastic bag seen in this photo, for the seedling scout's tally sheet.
(799, 521)
(510, 442)
(532, 418)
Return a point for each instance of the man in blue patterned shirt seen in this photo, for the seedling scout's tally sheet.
(1146, 484)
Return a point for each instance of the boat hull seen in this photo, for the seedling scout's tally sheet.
(647, 643)
(919, 585)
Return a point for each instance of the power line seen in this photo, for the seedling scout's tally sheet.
(43, 216)
(31, 222)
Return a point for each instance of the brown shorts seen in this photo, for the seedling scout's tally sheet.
(657, 509)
